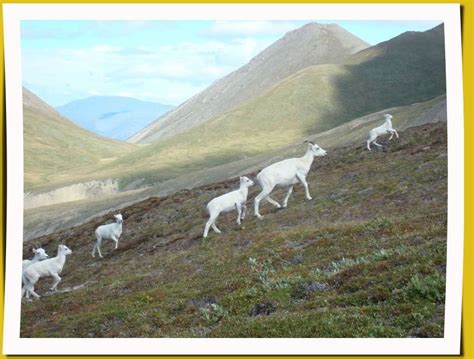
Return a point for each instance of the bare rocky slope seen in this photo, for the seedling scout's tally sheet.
(309, 45)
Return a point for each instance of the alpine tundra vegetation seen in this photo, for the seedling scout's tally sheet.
(366, 259)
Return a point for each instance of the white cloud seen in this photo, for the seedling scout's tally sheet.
(104, 49)
(251, 28)
(170, 74)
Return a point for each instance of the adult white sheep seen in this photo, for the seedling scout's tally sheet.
(286, 173)
(47, 268)
(111, 231)
(381, 130)
(40, 254)
(228, 202)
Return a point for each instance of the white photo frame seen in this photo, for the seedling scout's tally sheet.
(448, 13)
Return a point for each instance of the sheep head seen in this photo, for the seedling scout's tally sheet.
(317, 151)
(41, 253)
(64, 249)
(245, 181)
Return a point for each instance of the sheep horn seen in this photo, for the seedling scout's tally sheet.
(308, 142)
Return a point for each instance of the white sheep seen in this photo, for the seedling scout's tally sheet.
(286, 173)
(111, 231)
(40, 254)
(228, 202)
(381, 130)
(46, 268)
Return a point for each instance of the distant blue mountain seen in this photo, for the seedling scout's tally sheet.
(113, 116)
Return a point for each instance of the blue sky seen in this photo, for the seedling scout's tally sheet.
(162, 61)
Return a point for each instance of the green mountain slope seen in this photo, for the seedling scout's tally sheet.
(410, 67)
(308, 45)
(55, 149)
(404, 70)
(365, 258)
(45, 220)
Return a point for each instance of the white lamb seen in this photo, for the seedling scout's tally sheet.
(381, 130)
(46, 268)
(40, 254)
(111, 231)
(286, 173)
(228, 202)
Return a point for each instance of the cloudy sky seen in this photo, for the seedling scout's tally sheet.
(162, 61)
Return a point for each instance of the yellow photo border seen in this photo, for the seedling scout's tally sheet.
(467, 21)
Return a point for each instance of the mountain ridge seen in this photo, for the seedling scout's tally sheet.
(313, 99)
(308, 45)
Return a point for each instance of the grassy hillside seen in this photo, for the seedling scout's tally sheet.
(365, 258)
(44, 220)
(308, 45)
(404, 70)
(241, 136)
(55, 149)
(408, 67)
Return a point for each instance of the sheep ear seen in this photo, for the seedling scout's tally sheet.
(34, 250)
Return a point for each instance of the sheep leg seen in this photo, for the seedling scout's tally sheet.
(257, 200)
(214, 227)
(244, 211)
(272, 201)
(302, 179)
(32, 292)
(368, 145)
(377, 144)
(30, 289)
(208, 224)
(57, 279)
(288, 194)
(24, 292)
(393, 132)
(98, 248)
(238, 207)
(115, 239)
